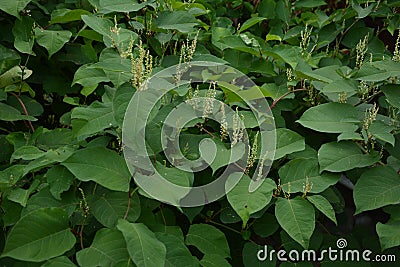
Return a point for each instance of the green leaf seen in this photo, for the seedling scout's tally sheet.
(177, 252)
(382, 131)
(266, 225)
(59, 180)
(181, 21)
(297, 172)
(323, 205)
(39, 235)
(13, 76)
(246, 203)
(208, 240)
(13, 7)
(214, 260)
(249, 23)
(8, 59)
(27, 153)
(8, 113)
(93, 119)
(101, 165)
(107, 249)
(53, 41)
(111, 206)
(23, 33)
(344, 156)
(143, 246)
(223, 155)
(67, 15)
(120, 102)
(392, 93)
(297, 217)
(288, 142)
(107, 6)
(389, 234)
(62, 261)
(377, 187)
(309, 3)
(88, 76)
(331, 118)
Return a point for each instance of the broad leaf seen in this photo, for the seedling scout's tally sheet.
(298, 172)
(344, 156)
(377, 187)
(246, 203)
(214, 260)
(392, 93)
(143, 246)
(107, 6)
(23, 33)
(39, 235)
(331, 118)
(178, 20)
(110, 207)
(208, 239)
(62, 261)
(13, 7)
(107, 249)
(93, 119)
(53, 41)
(59, 180)
(249, 23)
(8, 113)
(389, 234)
(297, 218)
(287, 142)
(177, 252)
(101, 165)
(323, 205)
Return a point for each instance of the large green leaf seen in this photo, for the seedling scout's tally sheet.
(288, 142)
(106, 6)
(323, 205)
(296, 173)
(101, 165)
(377, 187)
(297, 218)
(246, 203)
(143, 246)
(343, 156)
(107, 249)
(8, 113)
(110, 207)
(67, 15)
(23, 33)
(13, 7)
(93, 119)
(8, 59)
(208, 239)
(62, 261)
(250, 22)
(331, 118)
(181, 21)
(389, 233)
(39, 235)
(177, 252)
(392, 93)
(214, 260)
(53, 41)
(59, 180)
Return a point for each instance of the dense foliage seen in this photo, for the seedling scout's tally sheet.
(68, 69)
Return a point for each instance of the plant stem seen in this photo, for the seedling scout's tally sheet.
(25, 110)
(284, 95)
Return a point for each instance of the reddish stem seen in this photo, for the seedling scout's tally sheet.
(25, 110)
